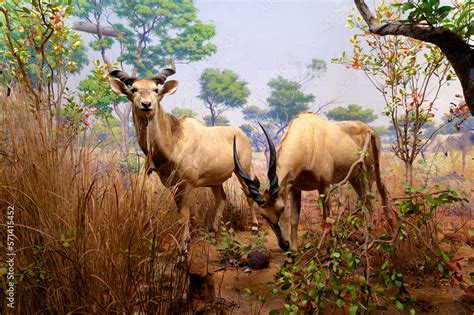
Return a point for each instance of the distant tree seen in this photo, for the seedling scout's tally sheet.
(254, 113)
(181, 111)
(352, 112)
(382, 130)
(454, 126)
(149, 33)
(107, 132)
(248, 129)
(314, 70)
(220, 121)
(222, 90)
(286, 100)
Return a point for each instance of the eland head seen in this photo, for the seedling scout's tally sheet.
(144, 94)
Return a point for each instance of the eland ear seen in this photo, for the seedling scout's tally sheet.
(169, 87)
(119, 87)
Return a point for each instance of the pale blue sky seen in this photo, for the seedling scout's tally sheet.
(263, 39)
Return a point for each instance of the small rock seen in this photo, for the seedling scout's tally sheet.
(258, 260)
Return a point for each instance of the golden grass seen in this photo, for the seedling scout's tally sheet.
(89, 237)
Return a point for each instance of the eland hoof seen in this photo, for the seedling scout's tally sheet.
(254, 230)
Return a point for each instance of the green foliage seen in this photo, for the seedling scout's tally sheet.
(231, 249)
(333, 278)
(408, 74)
(181, 111)
(39, 49)
(286, 100)
(258, 300)
(220, 121)
(96, 92)
(248, 129)
(221, 90)
(352, 112)
(417, 213)
(133, 164)
(156, 32)
(254, 113)
(457, 16)
(337, 270)
(76, 116)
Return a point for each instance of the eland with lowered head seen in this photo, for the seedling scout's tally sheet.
(313, 154)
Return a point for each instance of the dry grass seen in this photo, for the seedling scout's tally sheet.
(89, 237)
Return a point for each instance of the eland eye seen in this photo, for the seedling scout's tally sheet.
(133, 90)
(156, 90)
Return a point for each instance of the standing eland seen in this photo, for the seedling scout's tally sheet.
(183, 152)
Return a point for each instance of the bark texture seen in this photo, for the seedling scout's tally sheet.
(459, 53)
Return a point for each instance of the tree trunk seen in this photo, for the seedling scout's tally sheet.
(459, 53)
(213, 117)
(408, 173)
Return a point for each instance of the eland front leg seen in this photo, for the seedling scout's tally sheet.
(183, 204)
(295, 196)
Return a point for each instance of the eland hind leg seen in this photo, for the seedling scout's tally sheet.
(220, 198)
(326, 204)
(362, 186)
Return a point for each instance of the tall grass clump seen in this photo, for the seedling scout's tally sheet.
(89, 237)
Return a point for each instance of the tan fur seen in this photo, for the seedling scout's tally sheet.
(313, 154)
(184, 152)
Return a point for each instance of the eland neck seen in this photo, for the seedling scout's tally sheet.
(157, 134)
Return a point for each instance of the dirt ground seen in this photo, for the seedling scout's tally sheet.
(232, 282)
(431, 298)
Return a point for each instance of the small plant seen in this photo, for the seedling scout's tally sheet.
(359, 268)
(258, 300)
(231, 249)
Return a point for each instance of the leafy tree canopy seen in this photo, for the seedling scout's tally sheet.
(96, 92)
(220, 121)
(38, 45)
(248, 129)
(254, 113)
(286, 100)
(153, 32)
(352, 112)
(181, 111)
(222, 90)
(457, 16)
(448, 26)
